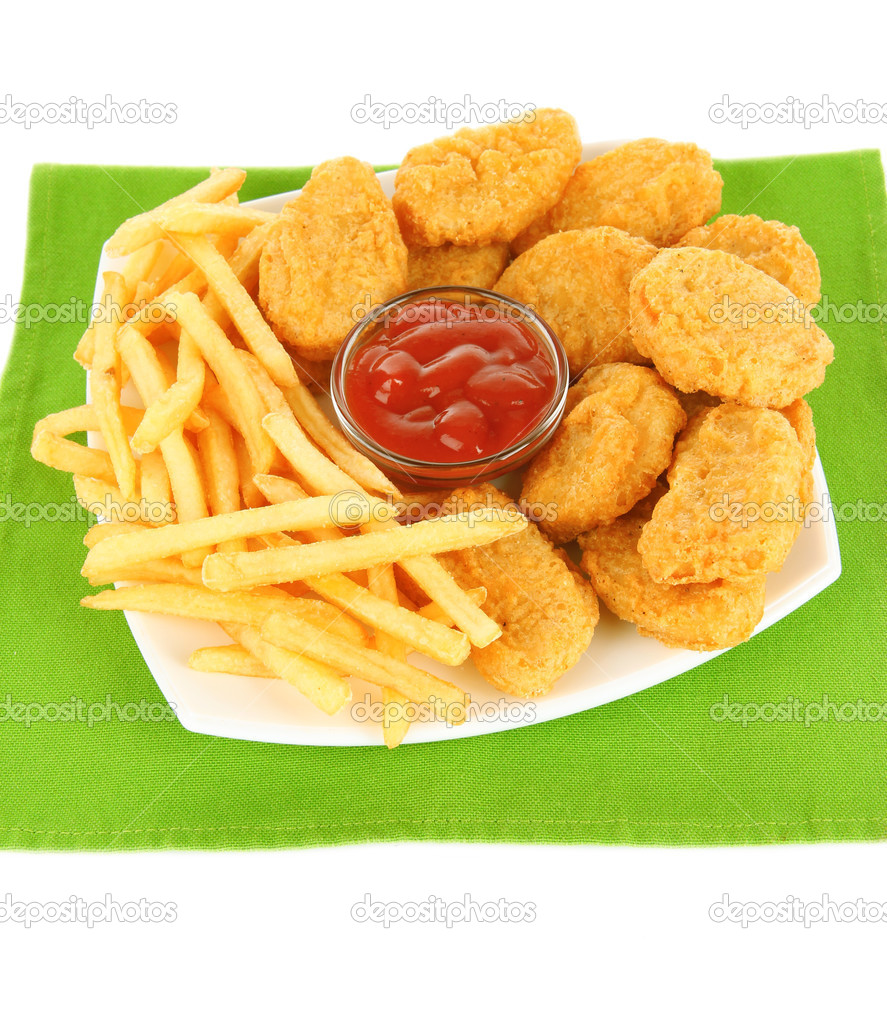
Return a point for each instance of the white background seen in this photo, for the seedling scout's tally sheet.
(619, 933)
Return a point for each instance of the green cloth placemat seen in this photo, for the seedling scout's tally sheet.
(657, 768)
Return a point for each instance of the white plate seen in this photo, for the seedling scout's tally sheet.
(618, 663)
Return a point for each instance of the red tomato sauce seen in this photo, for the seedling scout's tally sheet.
(447, 382)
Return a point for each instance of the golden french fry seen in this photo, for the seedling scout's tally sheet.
(85, 349)
(140, 265)
(190, 601)
(294, 633)
(120, 551)
(216, 447)
(58, 453)
(434, 536)
(102, 530)
(178, 454)
(477, 595)
(312, 466)
(389, 619)
(156, 487)
(144, 228)
(395, 722)
(324, 687)
(207, 218)
(106, 501)
(173, 409)
(249, 492)
(163, 570)
(330, 439)
(259, 337)
(104, 382)
(221, 356)
(277, 489)
(231, 659)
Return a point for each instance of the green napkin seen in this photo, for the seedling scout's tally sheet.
(659, 768)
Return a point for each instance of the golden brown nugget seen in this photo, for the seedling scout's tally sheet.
(650, 188)
(486, 184)
(547, 611)
(335, 249)
(800, 415)
(776, 248)
(731, 510)
(698, 616)
(471, 266)
(706, 319)
(609, 451)
(578, 282)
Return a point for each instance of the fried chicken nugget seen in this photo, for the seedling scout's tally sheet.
(731, 509)
(776, 248)
(698, 616)
(472, 266)
(608, 452)
(650, 188)
(711, 322)
(800, 415)
(486, 184)
(578, 282)
(547, 610)
(335, 249)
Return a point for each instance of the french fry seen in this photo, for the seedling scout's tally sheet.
(178, 455)
(102, 530)
(107, 501)
(222, 358)
(395, 722)
(277, 489)
(144, 227)
(231, 659)
(259, 337)
(216, 447)
(155, 483)
(249, 492)
(294, 633)
(477, 595)
(120, 551)
(58, 453)
(189, 601)
(173, 409)
(207, 218)
(314, 468)
(163, 570)
(140, 265)
(392, 620)
(453, 532)
(105, 385)
(328, 438)
(323, 686)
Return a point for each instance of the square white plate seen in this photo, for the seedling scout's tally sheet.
(618, 663)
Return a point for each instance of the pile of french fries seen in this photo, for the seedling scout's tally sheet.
(230, 496)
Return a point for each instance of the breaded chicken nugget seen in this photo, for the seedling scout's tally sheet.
(547, 611)
(578, 282)
(650, 188)
(771, 246)
(698, 616)
(800, 415)
(711, 322)
(607, 454)
(472, 266)
(731, 510)
(486, 184)
(334, 249)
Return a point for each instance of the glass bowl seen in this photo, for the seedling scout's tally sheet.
(418, 474)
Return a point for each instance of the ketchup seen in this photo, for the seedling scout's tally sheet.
(443, 381)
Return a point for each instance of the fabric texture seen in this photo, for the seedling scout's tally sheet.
(658, 768)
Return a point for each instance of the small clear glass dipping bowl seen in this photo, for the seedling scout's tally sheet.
(432, 475)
